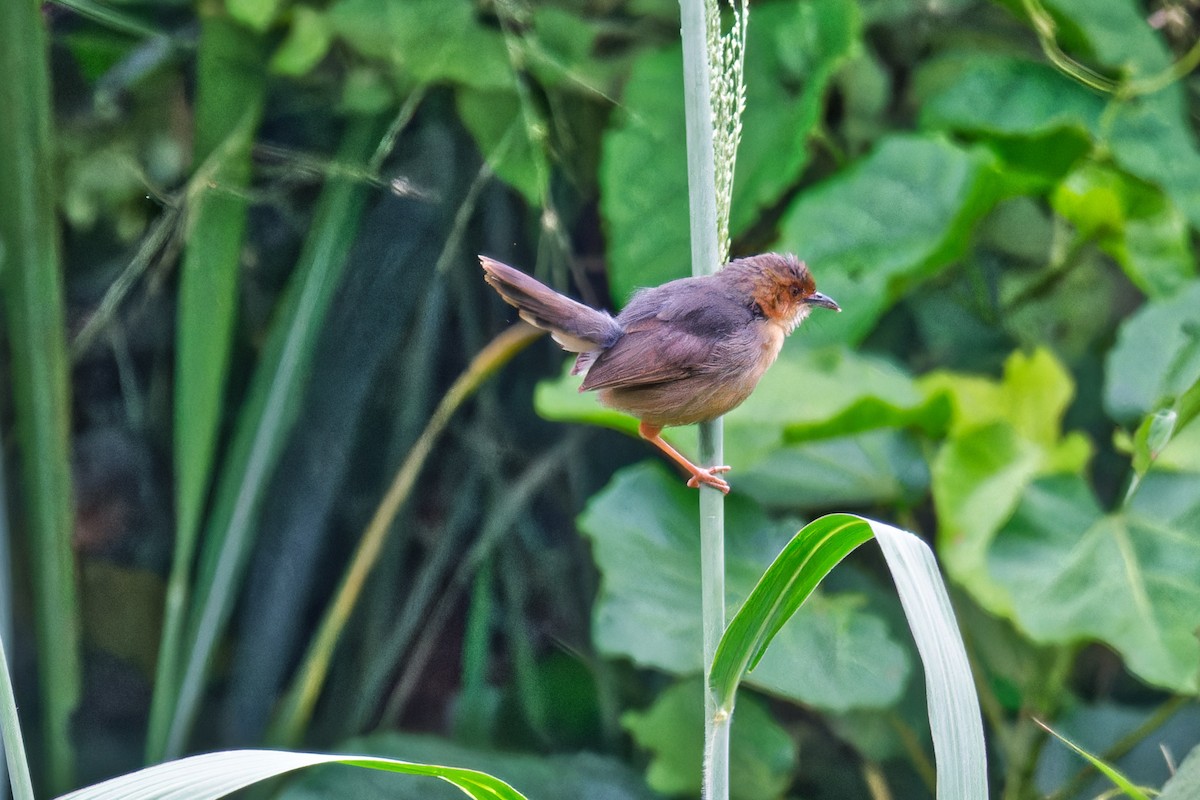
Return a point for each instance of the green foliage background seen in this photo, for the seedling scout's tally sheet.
(268, 213)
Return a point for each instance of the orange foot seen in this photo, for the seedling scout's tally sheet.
(708, 476)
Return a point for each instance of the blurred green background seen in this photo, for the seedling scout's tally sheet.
(237, 252)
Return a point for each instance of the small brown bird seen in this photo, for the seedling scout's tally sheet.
(687, 351)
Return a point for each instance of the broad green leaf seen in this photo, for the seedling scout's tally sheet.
(1115, 32)
(539, 776)
(792, 53)
(875, 468)
(1149, 136)
(426, 41)
(308, 39)
(643, 176)
(866, 90)
(643, 533)
(835, 391)
(954, 716)
(994, 94)
(213, 775)
(1156, 358)
(762, 756)
(978, 480)
(1037, 120)
(1109, 771)
(897, 217)
(818, 393)
(1003, 434)
(1032, 395)
(1185, 784)
(1032, 165)
(1133, 223)
(257, 15)
(1126, 579)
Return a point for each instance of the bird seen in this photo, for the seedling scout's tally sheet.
(684, 352)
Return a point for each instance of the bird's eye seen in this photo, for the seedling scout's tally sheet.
(795, 291)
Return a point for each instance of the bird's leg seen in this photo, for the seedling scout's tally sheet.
(705, 475)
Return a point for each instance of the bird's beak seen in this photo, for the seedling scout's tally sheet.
(824, 301)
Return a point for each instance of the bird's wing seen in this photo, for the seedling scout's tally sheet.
(666, 347)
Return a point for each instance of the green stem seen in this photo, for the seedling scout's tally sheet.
(705, 260)
(35, 319)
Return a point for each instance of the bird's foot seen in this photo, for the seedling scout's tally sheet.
(708, 477)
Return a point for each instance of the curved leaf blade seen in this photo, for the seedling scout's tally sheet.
(954, 716)
(642, 529)
(213, 775)
(1112, 773)
(17, 778)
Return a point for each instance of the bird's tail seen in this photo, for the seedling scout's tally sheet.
(573, 325)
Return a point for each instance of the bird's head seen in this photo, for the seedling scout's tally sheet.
(779, 286)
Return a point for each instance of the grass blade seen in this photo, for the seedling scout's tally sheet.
(14, 747)
(954, 716)
(230, 92)
(32, 286)
(213, 775)
(264, 422)
(297, 705)
(1110, 772)
(10, 731)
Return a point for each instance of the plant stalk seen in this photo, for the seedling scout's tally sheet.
(705, 261)
(31, 288)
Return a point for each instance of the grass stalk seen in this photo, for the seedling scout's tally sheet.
(32, 289)
(706, 259)
(273, 401)
(230, 95)
(301, 698)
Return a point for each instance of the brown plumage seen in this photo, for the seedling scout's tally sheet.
(687, 351)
